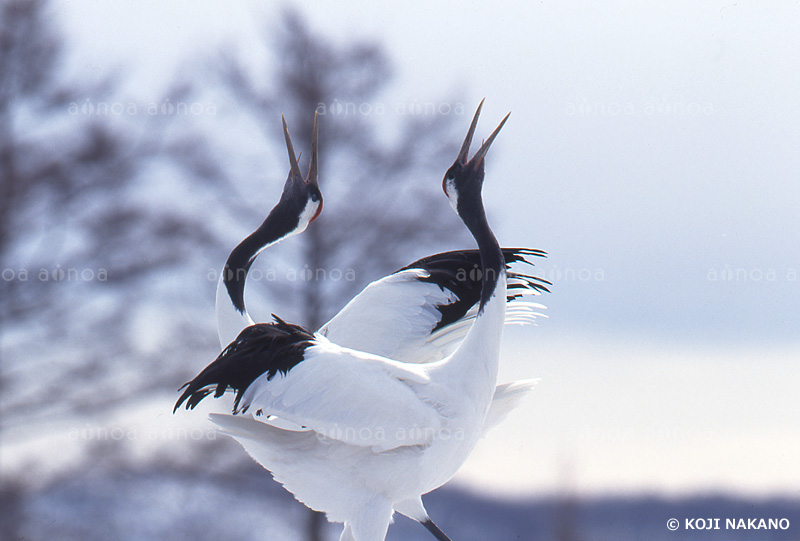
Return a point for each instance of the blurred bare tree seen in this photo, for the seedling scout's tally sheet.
(76, 243)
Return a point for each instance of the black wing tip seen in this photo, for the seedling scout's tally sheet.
(527, 281)
(182, 398)
(521, 255)
(532, 251)
(526, 251)
(192, 397)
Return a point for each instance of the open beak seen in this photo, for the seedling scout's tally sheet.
(463, 156)
(295, 169)
(477, 159)
(313, 167)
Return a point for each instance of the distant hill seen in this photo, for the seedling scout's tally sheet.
(164, 503)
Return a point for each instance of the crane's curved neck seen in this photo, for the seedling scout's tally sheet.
(232, 316)
(492, 263)
(474, 365)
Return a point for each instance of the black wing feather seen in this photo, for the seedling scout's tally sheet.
(264, 348)
(460, 272)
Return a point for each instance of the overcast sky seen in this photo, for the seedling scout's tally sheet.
(652, 150)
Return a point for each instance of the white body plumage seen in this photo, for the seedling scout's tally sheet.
(378, 433)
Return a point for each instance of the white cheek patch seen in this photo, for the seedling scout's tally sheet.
(452, 194)
(307, 215)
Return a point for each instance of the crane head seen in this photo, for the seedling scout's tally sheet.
(302, 195)
(465, 176)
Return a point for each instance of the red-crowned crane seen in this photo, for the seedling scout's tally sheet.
(381, 425)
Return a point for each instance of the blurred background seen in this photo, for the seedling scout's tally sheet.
(652, 151)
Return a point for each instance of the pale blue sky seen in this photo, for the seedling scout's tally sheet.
(651, 150)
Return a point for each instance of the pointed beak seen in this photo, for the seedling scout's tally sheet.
(313, 168)
(477, 159)
(463, 156)
(295, 168)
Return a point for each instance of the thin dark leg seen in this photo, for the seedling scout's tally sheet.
(434, 529)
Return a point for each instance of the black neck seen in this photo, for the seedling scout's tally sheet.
(492, 262)
(277, 225)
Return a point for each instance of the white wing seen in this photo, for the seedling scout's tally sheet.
(413, 316)
(506, 397)
(392, 317)
(353, 397)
